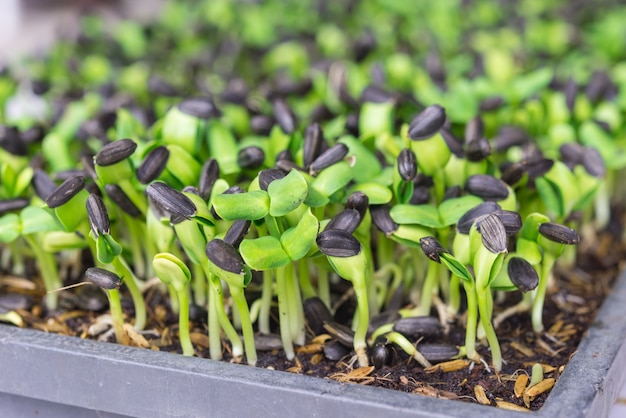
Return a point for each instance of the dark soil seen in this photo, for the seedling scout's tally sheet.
(571, 306)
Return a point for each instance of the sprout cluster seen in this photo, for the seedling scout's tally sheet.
(259, 168)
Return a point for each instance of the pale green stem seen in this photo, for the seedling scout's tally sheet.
(183, 322)
(283, 313)
(227, 326)
(199, 282)
(296, 313)
(362, 317)
(246, 325)
(454, 301)
(266, 302)
(540, 293)
(485, 305)
(120, 266)
(117, 315)
(323, 286)
(215, 340)
(472, 321)
(428, 289)
(305, 280)
(49, 271)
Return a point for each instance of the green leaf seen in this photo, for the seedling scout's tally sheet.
(456, 267)
(410, 235)
(180, 129)
(10, 227)
(366, 165)
(251, 205)
(550, 195)
(182, 165)
(36, 219)
(171, 270)
(425, 215)
(451, 210)
(287, 194)
(376, 118)
(72, 213)
(377, 193)
(298, 240)
(104, 253)
(264, 253)
(333, 178)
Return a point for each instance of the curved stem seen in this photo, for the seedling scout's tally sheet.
(246, 325)
(540, 293)
(283, 313)
(183, 322)
(120, 266)
(49, 271)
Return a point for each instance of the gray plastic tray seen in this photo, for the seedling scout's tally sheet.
(49, 375)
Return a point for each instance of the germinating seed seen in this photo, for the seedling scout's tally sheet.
(329, 157)
(380, 354)
(237, 232)
(284, 116)
(98, 215)
(200, 107)
(593, 162)
(153, 165)
(8, 205)
(170, 200)
(347, 220)
(208, 176)
(492, 232)
(121, 199)
(224, 256)
(313, 141)
(267, 176)
(382, 219)
(466, 221)
(432, 248)
(338, 243)
(418, 326)
(438, 352)
(407, 164)
(359, 201)
(115, 151)
(250, 157)
(103, 278)
(522, 274)
(559, 233)
(477, 149)
(66, 191)
(512, 173)
(427, 123)
(487, 187)
(316, 314)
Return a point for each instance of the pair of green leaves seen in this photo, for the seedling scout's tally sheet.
(32, 219)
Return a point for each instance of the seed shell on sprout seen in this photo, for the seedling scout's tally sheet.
(11, 141)
(418, 326)
(466, 221)
(66, 191)
(8, 205)
(208, 176)
(432, 248)
(380, 353)
(522, 274)
(487, 187)
(438, 352)
(170, 200)
(571, 91)
(347, 220)
(115, 151)
(512, 221)
(237, 232)
(407, 164)
(454, 144)
(250, 157)
(492, 233)
(161, 87)
(474, 129)
(427, 123)
(375, 94)
(453, 192)
(103, 278)
(359, 201)
(199, 107)
(491, 103)
(593, 162)
(224, 256)
(559, 233)
(267, 176)
(98, 215)
(121, 199)
(537, 167)
(313, 141)
(477, 149)
(352, 124)
(153, 165)
(512, 173)
(329, 157)
(338, 243)
(284, 116)
(261, 124)
(381, 217)
(316, 314)
(508, 137)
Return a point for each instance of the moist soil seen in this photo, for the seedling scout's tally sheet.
(571, 305)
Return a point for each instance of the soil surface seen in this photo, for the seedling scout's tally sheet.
(571, 305)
